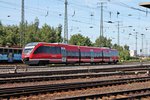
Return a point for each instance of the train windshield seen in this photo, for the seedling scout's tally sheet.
(27, 50)
(31, 44)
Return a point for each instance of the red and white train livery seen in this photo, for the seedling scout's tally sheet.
(41, 53)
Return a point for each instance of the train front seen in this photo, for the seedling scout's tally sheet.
(27, 52)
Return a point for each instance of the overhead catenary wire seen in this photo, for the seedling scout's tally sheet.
(55, 12)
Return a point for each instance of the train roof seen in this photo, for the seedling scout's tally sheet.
(63, 44)
(10, 48)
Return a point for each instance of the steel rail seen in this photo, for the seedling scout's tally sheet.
(28, 90)
(63, 77)
(127, 97)
(74, 71)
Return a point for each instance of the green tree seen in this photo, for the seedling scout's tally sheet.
(80, 40)
(126, 47)
(9, 35)
(36, 23)
(123, 51)
(1, 23)
(2, 35)
(103, 42)
(58, 33)
(31, 33)
(44, 33)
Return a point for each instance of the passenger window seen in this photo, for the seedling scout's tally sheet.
(19, 51)
(5, 51)
(15, 51)
(10, 50)
(1, 51)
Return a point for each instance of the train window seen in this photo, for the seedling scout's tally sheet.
(104, 53)
(19, 51)
(38, 50)
(15, 51)
(63, 52)
(32, 44)
(1, 51)
(97, 54)
(82, 54)
(49, 50)
(100, 54)
(54, 50)
(77, 54)
(87, 54)
(46, 49)
(5, 50)
(68, 53)
(58, 50)
(10, 50)
(71, 53)
(26, 50)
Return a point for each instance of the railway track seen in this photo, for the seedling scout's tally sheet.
(28, 90)
(75, 71)
(121, 95)
(19, 66)
(63, 77)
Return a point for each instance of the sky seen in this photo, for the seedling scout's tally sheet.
(84, 18)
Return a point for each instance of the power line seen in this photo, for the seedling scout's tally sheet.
(127, 6)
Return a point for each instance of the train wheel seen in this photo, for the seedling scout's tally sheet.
(43, 63)
(109, 62)
(79, 63)
(115, 62)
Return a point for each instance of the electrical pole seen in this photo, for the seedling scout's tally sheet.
(136, 43)
(22, 24)
(101, 21)
(66, 24)
(118, 33)
(146, 52)
(142, 45)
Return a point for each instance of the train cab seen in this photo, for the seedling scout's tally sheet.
(27, 51)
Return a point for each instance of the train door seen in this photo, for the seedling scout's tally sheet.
(1, 54)
(5, 54)
(111, 55)
(63, 52)
(10, 55)
(92, 55)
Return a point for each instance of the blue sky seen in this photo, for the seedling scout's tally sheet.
(80, 19)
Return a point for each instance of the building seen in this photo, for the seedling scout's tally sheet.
(133, 53)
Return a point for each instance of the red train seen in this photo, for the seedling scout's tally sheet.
(41, 53)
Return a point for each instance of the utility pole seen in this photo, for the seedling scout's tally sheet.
(118, 33)
(136, 43)
(142, 45)
(146, 48)
(101, 21)
(22, 24)
(66, 24)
